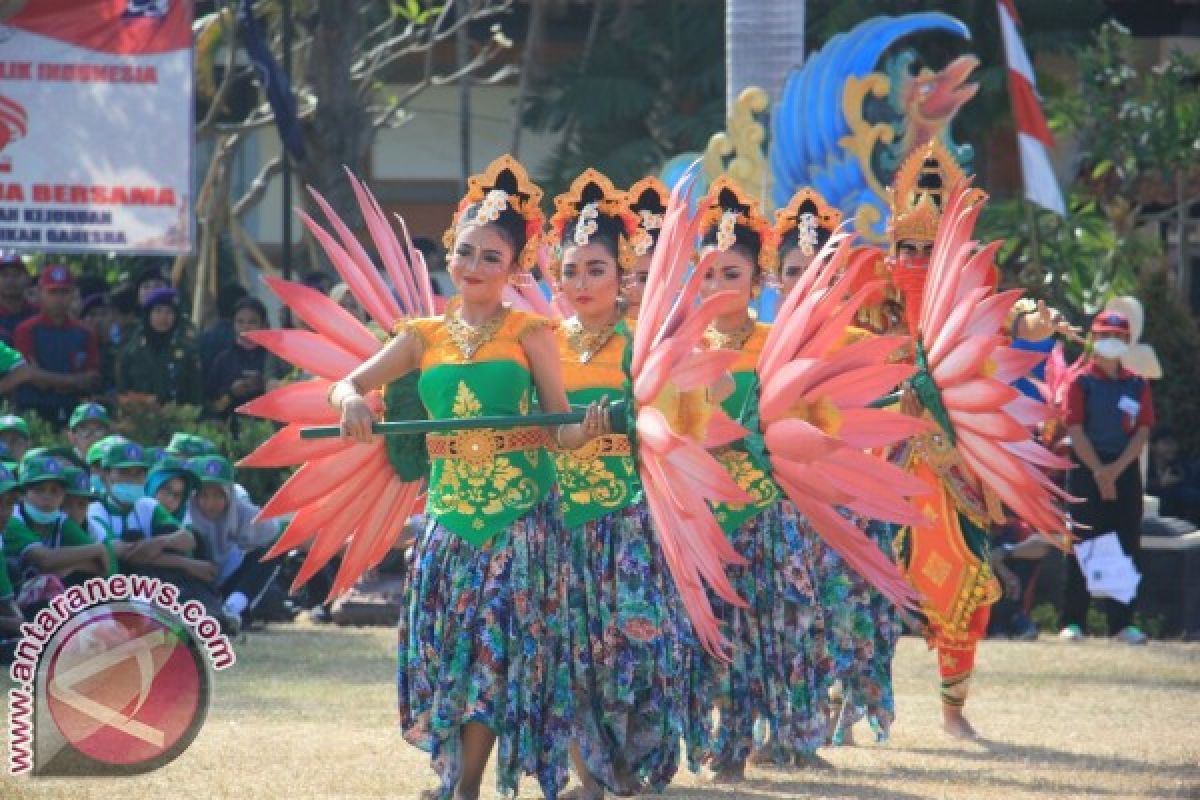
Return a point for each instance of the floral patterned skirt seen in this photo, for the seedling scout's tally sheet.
(483, 639)
(861, 631)
(626, 652)
(775, 673)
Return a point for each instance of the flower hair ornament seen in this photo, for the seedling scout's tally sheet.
(729, 208)
(592, 197)
(504, 186)
(648, 201)
(809, 218)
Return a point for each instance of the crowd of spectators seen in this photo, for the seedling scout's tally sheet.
(70, 348)
(107, 505)
(84, 340)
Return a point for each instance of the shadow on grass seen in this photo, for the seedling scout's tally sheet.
(1027, 757)
(754, 788)
(1123, 681)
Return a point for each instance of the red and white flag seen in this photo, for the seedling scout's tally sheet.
(1033, 136)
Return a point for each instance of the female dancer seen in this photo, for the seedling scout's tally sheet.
(771, 675)
(861, 624)
(648, 201)
(623, 611)
(482, 639)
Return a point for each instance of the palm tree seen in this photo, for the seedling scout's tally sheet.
(764, 40)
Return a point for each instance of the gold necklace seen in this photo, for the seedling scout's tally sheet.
(734, 340)
(586, 344)
(469, 338)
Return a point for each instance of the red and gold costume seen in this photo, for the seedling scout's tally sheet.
(949, 305)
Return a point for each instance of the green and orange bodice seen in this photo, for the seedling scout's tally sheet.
(599, 478)
(481, 481)
(745, 470)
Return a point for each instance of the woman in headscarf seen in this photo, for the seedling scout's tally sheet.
(162, 361)
(238, 373)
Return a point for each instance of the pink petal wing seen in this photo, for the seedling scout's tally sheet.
(285, 449)
(798, 441)
(868, 428)
(316, 478)
(980, 394)
(310, 352)
(326, 317)
(305, 402)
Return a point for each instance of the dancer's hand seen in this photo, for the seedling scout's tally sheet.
(909, 404)
(595, 423)
(357, 419)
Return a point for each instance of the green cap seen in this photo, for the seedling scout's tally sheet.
(65, 455)
(11, 422)
(8, 477)
(170, 467)
(40, 469)
(189, 445)
(89, 412)
(124, 454)
(79, 483)
(212, 469)
(95, 453)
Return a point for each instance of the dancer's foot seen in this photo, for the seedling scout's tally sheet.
(730, 773)
(429, 794)
(583, 793)
(762, 757)
(843, 736)
(955, 724)
(812, 761)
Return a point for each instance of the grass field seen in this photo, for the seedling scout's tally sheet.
(308, 712)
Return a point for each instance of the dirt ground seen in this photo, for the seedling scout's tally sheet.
(308, 712)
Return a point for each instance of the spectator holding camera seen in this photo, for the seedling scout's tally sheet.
(238, 374)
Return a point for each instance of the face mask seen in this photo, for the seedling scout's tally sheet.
(1110, 348)
(39, 517)
(128, 493)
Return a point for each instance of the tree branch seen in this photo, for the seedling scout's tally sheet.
(438, 35)
(397, 106)
(258, 187)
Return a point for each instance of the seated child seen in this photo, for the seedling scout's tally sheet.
(171, 483)
(225, 526)
(10, 615)
(51, 549)
(165, 548)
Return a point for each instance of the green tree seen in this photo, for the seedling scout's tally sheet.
(1175, 336)
(649, 87)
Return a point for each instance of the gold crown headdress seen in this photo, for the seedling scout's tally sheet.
(807, 215)
(648, 201)
(502, 186)
(918, 192)
(591, 195)
(732, 207)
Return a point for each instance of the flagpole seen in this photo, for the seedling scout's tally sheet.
(1035, 235)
